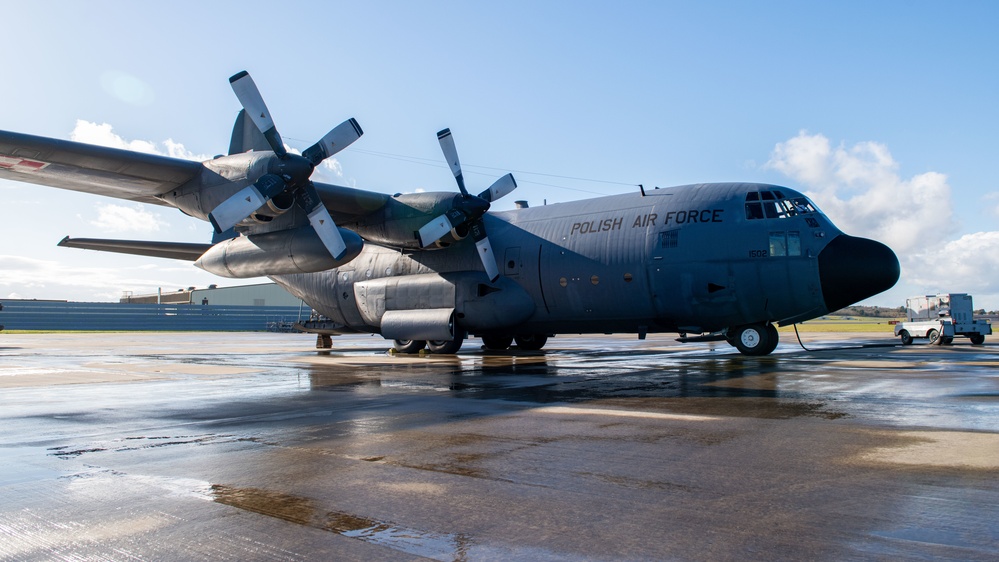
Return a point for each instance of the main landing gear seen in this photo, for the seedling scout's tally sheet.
(755, 339)
(527, 342)
(439, 347)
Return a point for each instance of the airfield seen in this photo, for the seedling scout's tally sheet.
(257, 446)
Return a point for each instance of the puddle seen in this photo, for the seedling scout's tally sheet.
(140, 443)
(304, 511)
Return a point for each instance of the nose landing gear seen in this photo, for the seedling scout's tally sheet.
(755, 339)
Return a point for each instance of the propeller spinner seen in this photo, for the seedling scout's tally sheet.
(289, 173)
(468, 209)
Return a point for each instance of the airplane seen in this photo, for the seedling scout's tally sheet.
(710, 262)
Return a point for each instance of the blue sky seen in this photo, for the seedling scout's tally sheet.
(884, 112)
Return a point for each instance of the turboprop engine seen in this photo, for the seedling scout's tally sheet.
(299, 250)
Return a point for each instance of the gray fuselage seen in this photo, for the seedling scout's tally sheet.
(689, 259)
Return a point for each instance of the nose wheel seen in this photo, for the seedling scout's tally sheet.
(755, 339)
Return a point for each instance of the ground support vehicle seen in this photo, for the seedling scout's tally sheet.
(941, 318)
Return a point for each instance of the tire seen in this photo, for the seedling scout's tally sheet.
(497, 343)
(947, 340)
(531, 342)
(977, 339)
(753, 340)
(774, 338)
(409, 346)
(906, 337)
(934, 337)
(447, 347)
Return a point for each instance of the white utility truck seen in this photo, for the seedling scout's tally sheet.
(941, 318)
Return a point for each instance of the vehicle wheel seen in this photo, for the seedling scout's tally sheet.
(445, 347)
(409, 346)
(933, 336)
(774, 338)
(906, 337)
(977, 339)
(448, 347)
(752, 340)
(531, 342)
(947, 340)
(497, 343)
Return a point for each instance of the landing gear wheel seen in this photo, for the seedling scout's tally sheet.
(531, 342)
(409, 346)
(934, 337)
(774, 338)
(446, 347)
(977, 339)
(906, 337)
(754, 340)
(497, 343)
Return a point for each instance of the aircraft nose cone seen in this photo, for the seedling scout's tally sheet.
(852, 269)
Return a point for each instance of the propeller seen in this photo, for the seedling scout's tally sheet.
(467, 209)
(288, 173)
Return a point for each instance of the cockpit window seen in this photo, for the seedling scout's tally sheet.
(774, 205)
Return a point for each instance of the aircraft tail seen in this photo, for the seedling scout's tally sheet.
(172, 250)
(246, 136)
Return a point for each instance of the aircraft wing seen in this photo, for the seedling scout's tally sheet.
(76, 166)
(346, 203)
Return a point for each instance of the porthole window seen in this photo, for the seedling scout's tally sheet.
(594, 279)
(627, 278)
(563, 281)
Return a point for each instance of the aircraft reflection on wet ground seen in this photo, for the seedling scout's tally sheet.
(789, 383)
(205, 446)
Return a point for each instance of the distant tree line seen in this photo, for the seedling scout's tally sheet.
(889, 312)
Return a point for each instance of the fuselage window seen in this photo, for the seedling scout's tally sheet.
(773, 205)
(669, 238)
(785, 244)
(778, 244)
(793, 244)
(769, 205)
(754, 209)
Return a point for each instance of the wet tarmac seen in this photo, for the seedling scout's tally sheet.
(259, 447)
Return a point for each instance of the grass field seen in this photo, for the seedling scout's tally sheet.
(845, 324)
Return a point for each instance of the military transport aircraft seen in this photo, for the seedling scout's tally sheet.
(722, 261)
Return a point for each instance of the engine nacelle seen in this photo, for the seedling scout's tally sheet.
(284, 252)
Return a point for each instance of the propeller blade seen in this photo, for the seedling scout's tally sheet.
(485, 250)
(451, 153)
(336, 140)
(249, 96)
(233, 210)
(500, 188)
(434, 230)
(321, 220)
(440, 226)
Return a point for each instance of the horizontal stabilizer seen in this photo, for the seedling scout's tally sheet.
(172, 250)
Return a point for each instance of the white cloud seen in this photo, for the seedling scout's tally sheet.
(860, 189)
(969, 264)
(104, 281)
(104, 135)
(122, 218)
